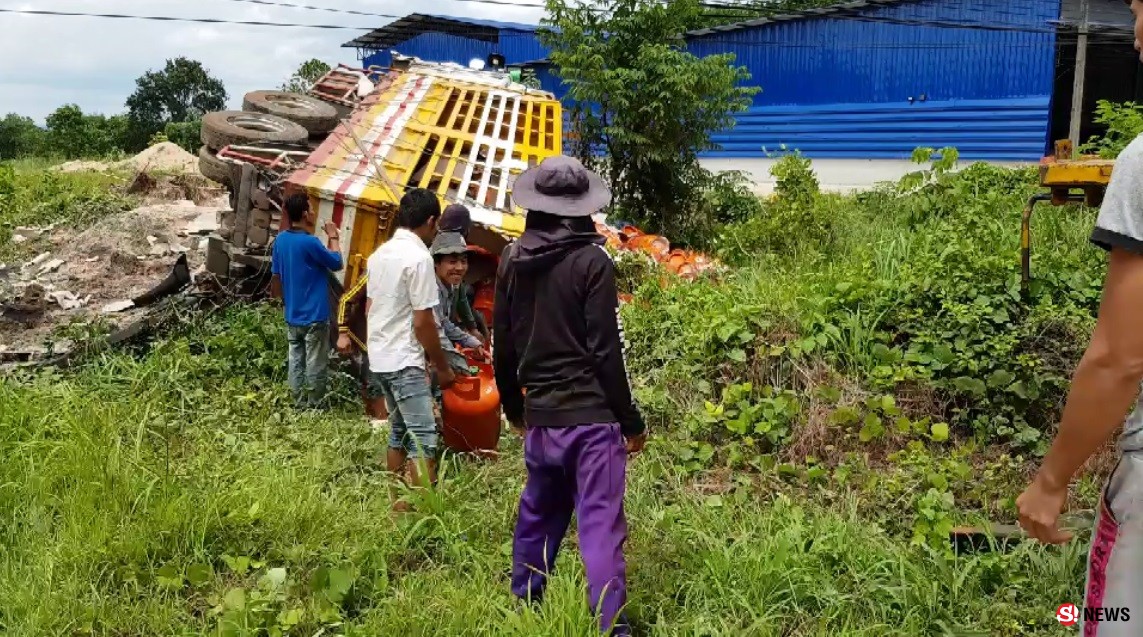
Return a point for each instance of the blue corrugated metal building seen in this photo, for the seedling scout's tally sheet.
(449, 39)
(866, 79)
(877, 79)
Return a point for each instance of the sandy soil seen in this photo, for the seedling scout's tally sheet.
(165, 157)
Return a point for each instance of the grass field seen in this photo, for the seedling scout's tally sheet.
(816, 431)
(176, 493)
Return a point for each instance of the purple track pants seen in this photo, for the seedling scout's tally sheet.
(581, 469)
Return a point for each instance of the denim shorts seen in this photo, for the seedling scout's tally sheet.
(408, 396)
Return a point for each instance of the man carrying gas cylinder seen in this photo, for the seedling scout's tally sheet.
(450, 259)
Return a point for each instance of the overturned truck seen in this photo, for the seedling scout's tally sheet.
(354, 144)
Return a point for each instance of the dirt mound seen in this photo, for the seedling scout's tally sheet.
(117, 259)
(164, 157)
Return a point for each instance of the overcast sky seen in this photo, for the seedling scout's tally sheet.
(47, 61)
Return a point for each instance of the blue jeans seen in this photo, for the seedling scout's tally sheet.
(408, 395)
(308, 362)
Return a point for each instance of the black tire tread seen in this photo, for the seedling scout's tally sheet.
(314, 115)
(219, 130)
(212, 167)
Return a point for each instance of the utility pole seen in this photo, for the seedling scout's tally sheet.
(1081, 74)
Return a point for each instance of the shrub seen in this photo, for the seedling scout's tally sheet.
(1124, 123)
(797, 219)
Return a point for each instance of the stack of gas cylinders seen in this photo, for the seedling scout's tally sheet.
(472, 416)
(685, 263)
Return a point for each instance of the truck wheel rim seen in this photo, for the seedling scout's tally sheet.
(255, 123)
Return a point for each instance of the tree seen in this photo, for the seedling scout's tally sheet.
(651, 106)
(19, 137)
(72, 134)
(303, 78)
(182, 92)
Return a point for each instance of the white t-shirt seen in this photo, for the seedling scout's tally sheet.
(401, 281)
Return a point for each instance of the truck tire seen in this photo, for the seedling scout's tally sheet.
(223, 128)
(312, 114)
(212, 167)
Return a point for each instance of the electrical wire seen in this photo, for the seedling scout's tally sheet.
(717, 28)
(291, 5)
(707, 39)
(162, 18)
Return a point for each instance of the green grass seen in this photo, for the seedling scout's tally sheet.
(127, 475)
(33, 195)
(172, 490)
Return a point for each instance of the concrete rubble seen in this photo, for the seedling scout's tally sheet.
(68, 300)
(202, 225)
(82, 274)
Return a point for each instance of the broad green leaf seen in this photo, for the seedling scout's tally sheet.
(1001, 378)
(737, 355)
(275, 577)
(944, 354)
(169, 575)
(235, 599)
(844, 416)
(970, 385)
(903, 425)
(940, 431)
(289, 618)
(319, 579)
(199, 574)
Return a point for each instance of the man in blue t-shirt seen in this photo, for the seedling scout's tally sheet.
(300, 263)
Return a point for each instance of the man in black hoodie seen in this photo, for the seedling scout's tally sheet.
(559, 361)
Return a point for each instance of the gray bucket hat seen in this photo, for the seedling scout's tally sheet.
(448, 243)
(561, 186)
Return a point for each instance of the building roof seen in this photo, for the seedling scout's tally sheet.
(415, 24)
(1113, 16)
(805, 14)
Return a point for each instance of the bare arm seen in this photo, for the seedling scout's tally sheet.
(1105, 384)
(425, 328)
(424, 297)
(275, 287)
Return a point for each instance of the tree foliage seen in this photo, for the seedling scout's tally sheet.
(651, 106)
(20, 137)
(1124, 122)
(303, 78)
(182, 92)
(73, 134)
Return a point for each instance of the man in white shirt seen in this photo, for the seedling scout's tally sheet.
(401, 330)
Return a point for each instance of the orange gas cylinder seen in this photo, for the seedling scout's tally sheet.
(613, 238)
(483, 301)
(471, 412)
(629, 232)
(677, 259)
(653, 244)
(687, 271)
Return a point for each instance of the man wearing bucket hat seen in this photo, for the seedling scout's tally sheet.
(456, 218)
(559, 362)
(450, 258)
